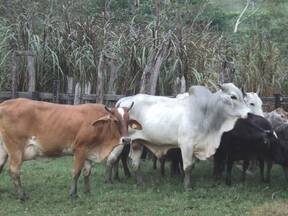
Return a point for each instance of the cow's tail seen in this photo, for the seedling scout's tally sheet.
(3, 154)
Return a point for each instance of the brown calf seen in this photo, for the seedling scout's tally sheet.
(282, 112)
(90, 132)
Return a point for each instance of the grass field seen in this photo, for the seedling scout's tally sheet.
(47, 183)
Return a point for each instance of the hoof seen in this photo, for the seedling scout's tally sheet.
(228, 183)
(108, 181)
(140, 181)
(265, 180)
(188, 189)
(73, 196)
(23, 197)
(117, 179)
(87, 191)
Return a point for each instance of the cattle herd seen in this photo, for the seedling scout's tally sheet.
(228, 125)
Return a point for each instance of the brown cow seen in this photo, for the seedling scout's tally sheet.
(90, 132)
(282, 112)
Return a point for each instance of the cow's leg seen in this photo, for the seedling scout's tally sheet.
(229, 171)
(188, 162)
(181, 167)
(3, 156)
(111, 160)
(154, 158)
(285, 169)
(245, 167)
(261, 166)
(15, 161)
(218, 164)
(78, 163)
(268, 171)
(216, 168)
(86, 174)
(115, 171)
(162, 165)
(174, 168)
(124, 159)
(135, 155)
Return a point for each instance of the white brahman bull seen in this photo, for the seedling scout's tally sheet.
(194, 123)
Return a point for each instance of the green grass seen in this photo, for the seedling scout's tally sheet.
(47, 183)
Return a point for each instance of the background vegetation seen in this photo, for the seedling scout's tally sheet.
(128, 46)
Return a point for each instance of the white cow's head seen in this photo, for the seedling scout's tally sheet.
(254, 103)
(233, 101)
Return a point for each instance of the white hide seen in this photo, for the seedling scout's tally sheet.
(115, 153)
(252, 100)
(182, 95)
(194, 123)
(254, 103)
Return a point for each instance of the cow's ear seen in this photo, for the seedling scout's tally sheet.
(103, 119)
(134, 124)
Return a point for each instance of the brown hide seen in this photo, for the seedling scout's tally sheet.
(31, 128)
(56, 127)
(282, 112)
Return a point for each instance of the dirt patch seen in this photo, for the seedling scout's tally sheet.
(273, 208)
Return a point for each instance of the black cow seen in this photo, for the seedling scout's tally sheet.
(123, 157)
(173, 155)
(251, 138)
(176, 162)
(282, 155)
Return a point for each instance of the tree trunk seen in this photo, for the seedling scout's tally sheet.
(156, 69)
(149, 79)
(31, 72)
(113, 77)
(183, 84)
(14, 76)
(99, 83)
(176, 86)
(156, 5)
(151, 71)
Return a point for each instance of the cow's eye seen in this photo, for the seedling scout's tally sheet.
(233, 97)
(252, 104)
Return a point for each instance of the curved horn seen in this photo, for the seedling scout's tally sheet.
(132, 104)
(243, 92)
(108, 109)
(258, 90)
(118, 105)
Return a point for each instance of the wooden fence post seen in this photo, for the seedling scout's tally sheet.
(56, 89)
(31, 76)
(87, 90)
(14, 76)
(100, 74)
(70, 90)
(113, 76)
(77, 93)
(278, 100)
(31, 72)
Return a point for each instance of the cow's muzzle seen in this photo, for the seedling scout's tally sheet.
(125, 140)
